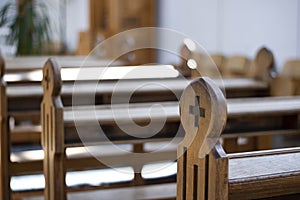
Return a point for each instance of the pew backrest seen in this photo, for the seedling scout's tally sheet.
(262, 66)
(287, 82)
(236, 66)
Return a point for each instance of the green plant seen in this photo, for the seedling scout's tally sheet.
(29, 25)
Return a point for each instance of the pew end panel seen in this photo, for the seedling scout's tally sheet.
(263, 65)
(4, 144)
(203, 116)
(52, 132)
(214, 174)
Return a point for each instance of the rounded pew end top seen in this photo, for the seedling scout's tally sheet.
(203, 113)
(264, 57)
(52, 82)
(264, 65)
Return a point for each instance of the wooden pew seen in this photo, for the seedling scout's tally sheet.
(239, 66)
(263, 112)
(24, 106)
(232, 87)
(162, 90)
(287, 113)
(206, 171)
(156, 90)
(215, 65)
(16, 93)
(258, 70)
(287, 82)
(288, 110)
(59, 127)
(238, 184)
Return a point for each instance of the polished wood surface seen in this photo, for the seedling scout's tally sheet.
(287, 81)
(4, 145)
(211, 173)
(202, 131)
(243, 83)
(57, 131)
(31, 63)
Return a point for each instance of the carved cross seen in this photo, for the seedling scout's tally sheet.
(47, 79)
(197, 111)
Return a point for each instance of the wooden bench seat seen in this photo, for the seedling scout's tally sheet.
(265, 173)
(206, 171)
(166, 191)
(32, 63)
(79, 158)
(256, 175)
(98, 73)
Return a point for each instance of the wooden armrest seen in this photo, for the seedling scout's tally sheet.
(265, 174)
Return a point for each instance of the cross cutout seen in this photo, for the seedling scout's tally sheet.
(197, 111)
(47, 79)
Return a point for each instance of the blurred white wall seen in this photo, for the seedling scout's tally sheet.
(237, 27)
(77, 14)
(249, 24)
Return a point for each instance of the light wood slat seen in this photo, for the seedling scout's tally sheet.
(99, 73)
(275, 185)
(138, 113)
(103, 148)
(165, 191)
(85, 162)
(125, 86)
(257, 106)
(25, 134)
(158, 192)
(255, 166)
(239, 83)
(263, 133)
(267, 106)
(22, 63)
